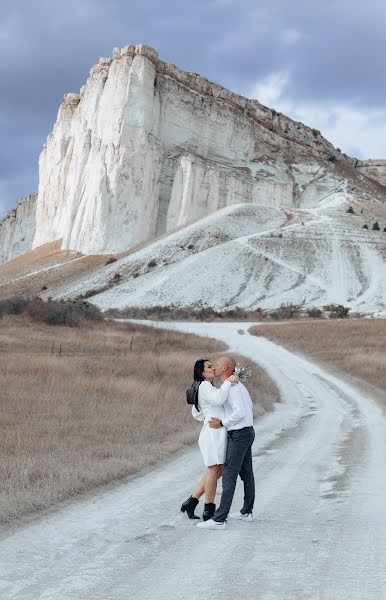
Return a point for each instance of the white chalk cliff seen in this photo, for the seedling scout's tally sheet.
(17, 229)
(146, 147)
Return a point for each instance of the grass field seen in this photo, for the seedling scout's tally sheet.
(355, 347)
(81, 407)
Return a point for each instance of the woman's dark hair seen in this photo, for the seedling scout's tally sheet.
(198, 371)
(198, 375)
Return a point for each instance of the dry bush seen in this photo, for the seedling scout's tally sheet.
(356, 347)
(186, 313)
(112, 403)
(111, 260)
(13, 306)
(70, 313)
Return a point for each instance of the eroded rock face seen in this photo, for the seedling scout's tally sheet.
(374, 169)
(17, 229)
(146, 147)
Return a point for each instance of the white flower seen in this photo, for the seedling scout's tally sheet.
(243, 372)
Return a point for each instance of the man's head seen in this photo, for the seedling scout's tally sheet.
(224, 367)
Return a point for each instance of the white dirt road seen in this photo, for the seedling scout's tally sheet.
(320, 526)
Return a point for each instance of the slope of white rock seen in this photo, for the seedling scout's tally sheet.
(230, 203)
(247, 256)
(17, 229)
(146, 147)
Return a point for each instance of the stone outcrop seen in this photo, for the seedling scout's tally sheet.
(374, 169)
(146, 147)
(17, 229)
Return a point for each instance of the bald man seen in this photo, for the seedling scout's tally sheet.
(238, 421)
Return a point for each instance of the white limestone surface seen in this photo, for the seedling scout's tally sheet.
(247, 257)
(17, 229)
(145, 147)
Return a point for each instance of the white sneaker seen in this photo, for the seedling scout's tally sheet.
(247, 517)
(210, 524)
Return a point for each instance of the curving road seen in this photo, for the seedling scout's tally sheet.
(320, 525)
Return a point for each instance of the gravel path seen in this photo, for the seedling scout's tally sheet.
(319, 531)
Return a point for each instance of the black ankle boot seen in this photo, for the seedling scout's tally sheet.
(188, 506)
(209, 511)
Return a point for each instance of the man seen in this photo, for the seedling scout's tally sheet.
(239, 424)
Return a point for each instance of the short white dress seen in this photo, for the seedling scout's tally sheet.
(212, 442)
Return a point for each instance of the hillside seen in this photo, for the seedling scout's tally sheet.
(160, 188)
(242, 256)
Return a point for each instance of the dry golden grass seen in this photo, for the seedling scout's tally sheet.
(33, 258)
(355, 347)
(45, 267)
(110, 405)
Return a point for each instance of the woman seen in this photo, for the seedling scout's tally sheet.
(212, 442)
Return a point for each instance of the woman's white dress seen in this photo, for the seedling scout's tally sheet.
(212, 442)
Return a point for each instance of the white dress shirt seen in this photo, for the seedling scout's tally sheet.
(238, 408)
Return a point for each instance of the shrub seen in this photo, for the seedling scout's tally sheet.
(187, 313)
(365, 226)
(375, 226)
(384, 229)
(316, 132)
(337, 311)
(332, 158)
(94, 291)
(152, 263)
(13, 306)
(52, 313)
(110, 260)
(68, 313)
(350, 210)
(291, 309)
(286, 311)
(315, 313)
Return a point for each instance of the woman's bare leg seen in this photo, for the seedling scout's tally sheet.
(210, 484)
(200, 489)
(198, 492)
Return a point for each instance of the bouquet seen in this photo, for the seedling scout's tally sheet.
(243, 372)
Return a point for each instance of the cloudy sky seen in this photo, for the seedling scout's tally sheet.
(319, 62)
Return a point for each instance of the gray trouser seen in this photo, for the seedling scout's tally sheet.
(238, 462)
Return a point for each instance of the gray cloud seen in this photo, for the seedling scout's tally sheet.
(334, 52)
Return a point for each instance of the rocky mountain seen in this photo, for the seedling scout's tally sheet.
(145, 152)
(17, 229)
(243, 256)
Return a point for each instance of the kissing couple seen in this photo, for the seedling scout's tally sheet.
(225, 442)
